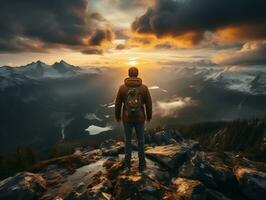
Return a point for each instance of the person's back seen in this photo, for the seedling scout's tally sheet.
(133, 99)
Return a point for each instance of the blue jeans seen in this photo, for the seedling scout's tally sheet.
(139, 128)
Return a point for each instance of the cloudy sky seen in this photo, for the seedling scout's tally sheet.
(146, 33)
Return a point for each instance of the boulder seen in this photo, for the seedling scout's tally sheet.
(53, 178)
(215, 195)
(220, 170)
(23, 185)
(136, 187)
(64, 190)
(163, 137)
(115, 151)
(98, 196)
(90, 195)
(99, 187)
(211, 172)
(157, 172)
(108, 144)
(112, 148)
(132, 184)
(113, 167)
(187, 189)
(100, 191)
(172, 155)
(91, 155)
(252, 182)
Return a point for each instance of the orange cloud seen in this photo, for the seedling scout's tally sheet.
(241, 33)
(224, 35)
(203, 23)
(186, 40)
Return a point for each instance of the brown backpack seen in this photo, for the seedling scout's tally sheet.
(133, 101)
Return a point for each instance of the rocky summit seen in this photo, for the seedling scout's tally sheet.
(176, 169)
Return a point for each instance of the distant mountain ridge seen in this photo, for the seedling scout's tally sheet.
(243, 81)
(27, 74)
(250, 81)
(40, 69)
(37, 99)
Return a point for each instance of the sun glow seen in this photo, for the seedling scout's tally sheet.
(132, 62)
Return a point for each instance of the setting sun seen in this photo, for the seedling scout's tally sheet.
(132, 62)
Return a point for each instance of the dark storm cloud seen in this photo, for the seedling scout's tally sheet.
(100, 36)
(31, 25)
(91, 50)
(129, 4)
(164, 46)
(19, 44)
(197, 17)
(252, 53)
(97, 16)
(120, 47)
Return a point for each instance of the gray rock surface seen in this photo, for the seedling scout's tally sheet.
(172, 155)
(176, 169)
(23, 185)
(252, 182)
(190, 189)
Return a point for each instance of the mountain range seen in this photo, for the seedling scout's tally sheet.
(55, 117)
(10, 76)
(45, 105)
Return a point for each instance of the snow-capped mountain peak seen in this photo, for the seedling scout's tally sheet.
(258, 84)
(34, 69)
(35, 64)
(64, 67)
(64, 63)
(39, 69)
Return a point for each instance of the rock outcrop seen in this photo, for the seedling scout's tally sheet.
(176, 169)
(23, 185)
(190, 189)
(252, 182)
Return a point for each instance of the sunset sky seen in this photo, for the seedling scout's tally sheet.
(145, 33)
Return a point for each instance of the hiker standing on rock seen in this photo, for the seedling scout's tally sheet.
(134, 99)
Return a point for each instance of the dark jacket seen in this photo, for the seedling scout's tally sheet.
(121, 98)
